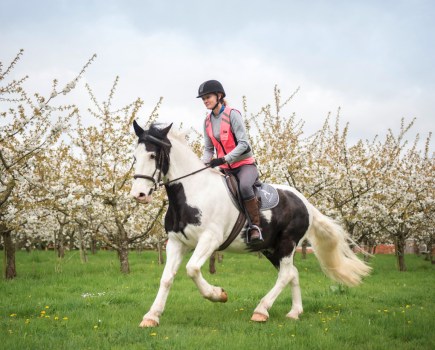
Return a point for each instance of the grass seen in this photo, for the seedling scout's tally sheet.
(70, 305)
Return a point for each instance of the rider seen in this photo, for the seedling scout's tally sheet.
(224, 131)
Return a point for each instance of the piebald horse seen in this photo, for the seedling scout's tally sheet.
(201, 215)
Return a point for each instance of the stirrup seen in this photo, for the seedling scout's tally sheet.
(259, 239)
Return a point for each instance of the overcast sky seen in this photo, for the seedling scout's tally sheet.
(374, 59)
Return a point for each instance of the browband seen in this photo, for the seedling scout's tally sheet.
(157, 140)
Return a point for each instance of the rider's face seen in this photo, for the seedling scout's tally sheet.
(209, 100)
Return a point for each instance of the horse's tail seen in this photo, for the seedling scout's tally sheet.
(330, 244)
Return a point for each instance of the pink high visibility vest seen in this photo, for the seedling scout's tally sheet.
(227, 140)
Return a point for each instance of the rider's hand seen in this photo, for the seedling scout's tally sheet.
(217, 162)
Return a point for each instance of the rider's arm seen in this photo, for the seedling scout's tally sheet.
(208, 151)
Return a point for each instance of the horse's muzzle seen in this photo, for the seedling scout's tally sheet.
(143, 199)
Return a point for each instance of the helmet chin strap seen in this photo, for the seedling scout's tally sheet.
(217, 103)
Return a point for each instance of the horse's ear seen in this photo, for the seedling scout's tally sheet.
(137, 129)
(166, 130)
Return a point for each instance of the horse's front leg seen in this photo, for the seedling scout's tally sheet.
(175, 251)
(204, 249)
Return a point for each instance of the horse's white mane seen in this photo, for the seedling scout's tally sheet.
(179, 135)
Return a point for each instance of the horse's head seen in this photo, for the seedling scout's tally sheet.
(152, 160)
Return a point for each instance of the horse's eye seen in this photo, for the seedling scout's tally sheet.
(152, 156)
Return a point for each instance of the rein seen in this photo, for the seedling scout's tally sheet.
(160, 183)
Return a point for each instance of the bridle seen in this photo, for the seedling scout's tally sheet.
(163, 153)
(156, 183)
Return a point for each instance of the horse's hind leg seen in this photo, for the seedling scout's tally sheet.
(287, 274)
(204, 249)
(296, 309)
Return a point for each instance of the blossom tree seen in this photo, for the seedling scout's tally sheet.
(406, 197)
(30, 124)
(104, 159)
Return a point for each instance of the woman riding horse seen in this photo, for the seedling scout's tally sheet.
(224, 132)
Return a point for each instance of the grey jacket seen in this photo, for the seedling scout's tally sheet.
(239, 131)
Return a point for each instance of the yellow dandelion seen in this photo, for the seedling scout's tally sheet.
(409, 322)
(241, 309)
(293, 335)
(47, 307)
(13, 315)
(65, 318)
(319, 312)
(43, 312)
(95, 327)
(408, 306)
(56, 317)
(47, 316)
(27, 321)
(153, 334)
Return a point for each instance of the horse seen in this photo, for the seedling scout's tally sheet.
(201, 215)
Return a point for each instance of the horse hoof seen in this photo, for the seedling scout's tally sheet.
(256, 317)
(224, 297)
(147, 323)
(294, 315)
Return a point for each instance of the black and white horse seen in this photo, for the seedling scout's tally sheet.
(201, 215)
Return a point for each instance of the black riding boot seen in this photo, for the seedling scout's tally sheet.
(251, 206)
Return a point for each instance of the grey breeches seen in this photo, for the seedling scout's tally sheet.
(247, 175)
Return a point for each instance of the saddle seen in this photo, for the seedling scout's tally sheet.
(267, 196)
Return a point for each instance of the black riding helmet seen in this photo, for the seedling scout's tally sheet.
(210, 87)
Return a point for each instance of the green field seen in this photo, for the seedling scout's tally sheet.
(56, 304)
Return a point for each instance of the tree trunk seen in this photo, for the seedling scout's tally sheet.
(10, 271)
(161, 260)
(71, 240)
(122, 247)
(212, 264)
(60, 242)
(304, 248)
(61, 250)
(93, 245)
(82, 246)
(55, 247)
(400, 252)
(429, 256)
(123, 259)
(370, 248)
